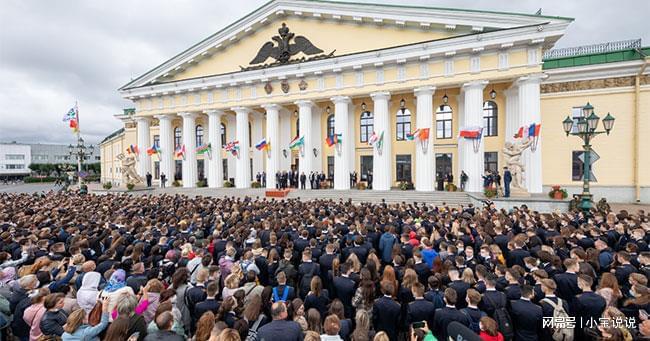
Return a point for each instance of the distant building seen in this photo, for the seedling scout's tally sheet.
(14, 160)
(15, 157)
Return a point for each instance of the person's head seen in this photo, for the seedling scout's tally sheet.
(212, 289)
(454, 275)
(571, 265)
(281, 277)
(450, 296)
(126, 304)
(381, 336)
(202, 276)
(332, 325)
(585, 282)
(75, 319)
(165, 321)
(527, 291)
(229, 334)
(316, 285)
(29, 282)
(204, 326)
(279, 311)
(417, 290)
(387, 288)
(54, 301)
(313, 320)
(118, 329)
(489, 326)
(548, 286)
(473, 297)
(644, 328)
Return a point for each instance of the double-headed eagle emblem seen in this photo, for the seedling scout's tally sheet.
(285, 49)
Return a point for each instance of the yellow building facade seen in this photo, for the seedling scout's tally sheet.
(307, 70)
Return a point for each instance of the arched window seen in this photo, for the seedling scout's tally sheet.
(490, 118)
(403, 124)
(199, 135)
(330, 125)
(223, 134)
(177, 137)
(250, 135)
(367, 125)
(443, 122)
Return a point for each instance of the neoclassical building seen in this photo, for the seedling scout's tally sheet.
(399, 92)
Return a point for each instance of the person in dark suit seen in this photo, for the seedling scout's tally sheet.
(149, 177)
(386, 312)
(280, 328)
(210, 303)
(587, 306)
(421, 268)
(507, 179)
(444, 316)
(345, 288)
(623, 271)
(325, 260)
(549, 287)
(459, 286)
(420, 309)
(567, 282)
(303, 180)
(492, 299)
(517, 256)
(526, 316)
(513, 290)
(307, 270)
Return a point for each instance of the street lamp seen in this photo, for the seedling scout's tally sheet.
(80, 151)
(587, 125)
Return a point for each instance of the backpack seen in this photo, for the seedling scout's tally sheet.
(503, 320)
(252, 333)
(474, 324)
(559, 314)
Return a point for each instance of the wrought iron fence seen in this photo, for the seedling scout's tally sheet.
(591, 49)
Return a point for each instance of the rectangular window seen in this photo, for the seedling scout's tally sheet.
(424, 69)
(15, 166)
(225, 169)
(156, 141)
(576, 114)
(401, 72)
(443, 163)
(403, 167)
(200, 168)
(97, 158)
(449, 67)
(491, 161)
(178, 171)
(380, 76)
(443, 122)
(503, 61)
(366, 166)
(360, 78)
(577, 166)
(475, 64)
(14, 157)
(156, 170)
(251, 164)
(330, 168)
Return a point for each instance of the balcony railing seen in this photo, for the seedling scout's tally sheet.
(591, 49)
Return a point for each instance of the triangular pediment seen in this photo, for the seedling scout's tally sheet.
(323, 29)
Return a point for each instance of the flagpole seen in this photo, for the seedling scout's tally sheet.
(76, 104)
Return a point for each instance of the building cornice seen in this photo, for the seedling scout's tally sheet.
(594, 71)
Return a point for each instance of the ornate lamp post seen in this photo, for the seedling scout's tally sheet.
(80, 151)
(586, 130)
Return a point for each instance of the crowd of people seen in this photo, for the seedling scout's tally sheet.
(118, 267)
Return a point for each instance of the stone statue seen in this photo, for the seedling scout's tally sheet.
(129, 174)
(512, 153)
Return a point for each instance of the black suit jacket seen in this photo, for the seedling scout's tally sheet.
(527, 320)
(207, 305)
(420, 310)
(492, 300)
(443, 317)
(344, 289)
(386, 316)
(567, 285)
(516, 257)
(461, 290)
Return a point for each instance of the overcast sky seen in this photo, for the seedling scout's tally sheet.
(55, 52)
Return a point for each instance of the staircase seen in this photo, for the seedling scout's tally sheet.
(357, 196)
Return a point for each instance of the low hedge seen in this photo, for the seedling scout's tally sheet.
(34, 179)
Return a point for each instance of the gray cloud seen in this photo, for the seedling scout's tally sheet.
(55, 52)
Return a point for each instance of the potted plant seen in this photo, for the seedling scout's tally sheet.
(176, 183)
(558, 193)
(130, 186)
(256, 184)
(228, 184)
(405, 185)
(490, 192)
(107, 185)
(361, 185)
(202, 183)
(451, 188)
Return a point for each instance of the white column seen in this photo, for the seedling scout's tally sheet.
(144, 163)
(257, 134)
(306, 158)
(243, 170)
(529, 112)
(189, 140)
(284, 139)
(424, 162)
(273, 138)
(343, 161)
(382, 165)
(472, 161)
(513, 121)
(166, 147)
(215, 165)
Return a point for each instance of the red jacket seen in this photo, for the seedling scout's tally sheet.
(486, 337)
